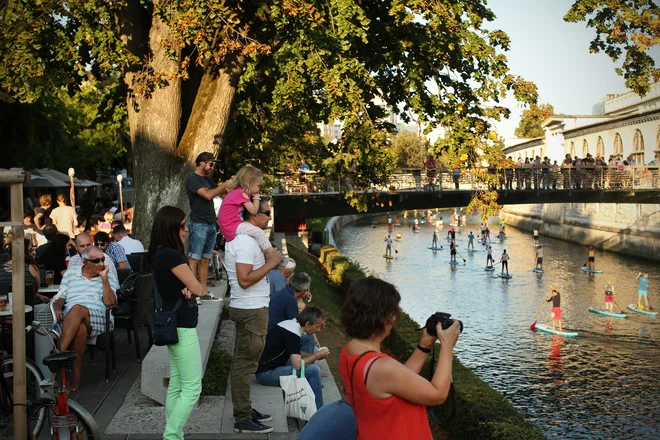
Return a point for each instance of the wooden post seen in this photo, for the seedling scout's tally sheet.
(18, 312)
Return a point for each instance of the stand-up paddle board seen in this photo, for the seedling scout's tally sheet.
(606, 313)
(584, 269)
(416, 231)
(489, 268)
(387, 257)
(538, 270)
(536, 244)
(546, 329)
(634, 308)
(504, 276)
(473, 250)
(435, 248)
(453, 263)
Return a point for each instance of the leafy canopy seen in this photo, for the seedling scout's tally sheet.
(531, 119)
(625, 29)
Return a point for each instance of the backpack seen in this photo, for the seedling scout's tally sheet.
(126, 295)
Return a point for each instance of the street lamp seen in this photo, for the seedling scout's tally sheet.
(72, 192)
(121, 198)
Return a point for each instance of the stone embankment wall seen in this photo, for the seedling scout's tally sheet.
(335, 224)
(631, 229)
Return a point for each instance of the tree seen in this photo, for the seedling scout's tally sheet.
(409, 149)
(190, 67)
(529, 126)
(628, 28)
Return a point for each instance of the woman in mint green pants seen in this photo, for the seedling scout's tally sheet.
(177, 287)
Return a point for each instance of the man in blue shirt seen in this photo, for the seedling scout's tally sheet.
(284, 305)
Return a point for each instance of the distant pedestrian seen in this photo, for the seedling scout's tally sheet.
(64, 217)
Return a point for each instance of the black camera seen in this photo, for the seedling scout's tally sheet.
(440, 318)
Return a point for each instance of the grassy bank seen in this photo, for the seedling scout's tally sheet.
(481, 413)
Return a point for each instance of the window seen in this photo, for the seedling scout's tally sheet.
(572, 149)
(585, 148)
(600, 147)
(541, 152)
(532, 154)
(618, 144)
(638, 148)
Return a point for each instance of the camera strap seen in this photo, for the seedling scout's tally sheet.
(452, 395)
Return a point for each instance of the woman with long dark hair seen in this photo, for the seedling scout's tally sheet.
(388, 397)
(175, 282)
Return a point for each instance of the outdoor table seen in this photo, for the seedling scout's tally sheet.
(52, 289)
(10, 312)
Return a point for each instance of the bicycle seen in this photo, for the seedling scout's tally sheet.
(64, 418)
(33, 378)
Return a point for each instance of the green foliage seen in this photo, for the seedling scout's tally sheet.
(58, 130)
(531, 120)
(216, 375)
(625, 29)
(409, 149)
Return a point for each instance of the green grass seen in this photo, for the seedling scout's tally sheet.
(482, 412)
(317, 224)
(217, 373)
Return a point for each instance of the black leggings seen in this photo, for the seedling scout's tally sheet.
(505, 264)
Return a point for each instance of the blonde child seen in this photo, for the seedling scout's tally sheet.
(243, 194)
(609, 297)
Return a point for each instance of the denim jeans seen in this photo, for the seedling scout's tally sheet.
(312, 374)
(185, 382)
(202, 239)
(334, 421)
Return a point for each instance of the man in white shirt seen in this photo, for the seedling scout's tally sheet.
(247, 271)
(83, 241)
(64, 217)
(129, 244)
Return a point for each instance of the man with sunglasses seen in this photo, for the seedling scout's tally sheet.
(201, 191)
(83, 241)
(84, 295)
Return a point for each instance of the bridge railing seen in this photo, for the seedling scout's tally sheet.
(513, 179)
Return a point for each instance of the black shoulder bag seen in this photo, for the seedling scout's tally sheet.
(164, 321)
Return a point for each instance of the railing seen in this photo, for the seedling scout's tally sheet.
(512, 179)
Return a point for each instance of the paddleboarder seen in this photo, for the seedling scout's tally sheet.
(505, 261)
(487, 233)
(609, 297)
(388, 246)
(450, 229)
(489, 258)
(539, 257)
(434, 244)
(470, 241)
(536, 236)
(483, 231)
(390, 226)
(642, 291)
(452, 251)
(591, 264)
(556, 307)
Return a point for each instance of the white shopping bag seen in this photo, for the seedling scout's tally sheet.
(299, 399)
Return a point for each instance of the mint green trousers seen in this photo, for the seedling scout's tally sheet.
(185, 382)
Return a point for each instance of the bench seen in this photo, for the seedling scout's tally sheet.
(156, 365)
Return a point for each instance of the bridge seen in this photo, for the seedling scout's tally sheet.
(296, 199)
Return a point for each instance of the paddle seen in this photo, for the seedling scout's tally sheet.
(620, 309)
(533, 326)
(464, 260)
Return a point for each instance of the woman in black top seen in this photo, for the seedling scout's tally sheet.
(55, 256)
(176, 284)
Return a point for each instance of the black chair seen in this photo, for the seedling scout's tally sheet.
(137, 261)
(122, 274)
(140, 316)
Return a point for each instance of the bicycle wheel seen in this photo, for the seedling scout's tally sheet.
(33, 378)
(79, 424)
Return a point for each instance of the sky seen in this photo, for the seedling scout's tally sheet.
(555, 56)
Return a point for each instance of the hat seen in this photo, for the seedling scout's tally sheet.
(290, 264)
(204, 157)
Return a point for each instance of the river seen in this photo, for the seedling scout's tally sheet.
(604, 384)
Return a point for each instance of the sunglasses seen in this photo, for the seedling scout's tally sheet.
(211, 164)
(95, 260)
(266, 213)
(99, 243)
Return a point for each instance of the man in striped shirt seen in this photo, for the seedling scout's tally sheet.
(84, 241)
(84, 295)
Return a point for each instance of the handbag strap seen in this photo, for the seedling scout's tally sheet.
(302, 369)
(157, 301)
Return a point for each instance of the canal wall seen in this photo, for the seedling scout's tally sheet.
(629, 229)
(335, 224)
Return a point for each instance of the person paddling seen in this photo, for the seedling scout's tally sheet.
(470, 241)
(483, 232)
(591, 265)
(556, 307)
(539, 257)
(642, 291)
(450, 228)
(609, 297)
(505, 262)
(452, 251)
(489, 258)
(388, 246)
(434, 244)
(536, 236)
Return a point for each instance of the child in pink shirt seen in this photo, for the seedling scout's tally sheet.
(245, 195)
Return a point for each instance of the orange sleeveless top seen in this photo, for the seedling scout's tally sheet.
(379, 419)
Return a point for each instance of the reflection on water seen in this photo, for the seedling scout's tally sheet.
(603, 384)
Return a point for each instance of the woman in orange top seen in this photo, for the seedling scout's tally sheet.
(388, 397)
